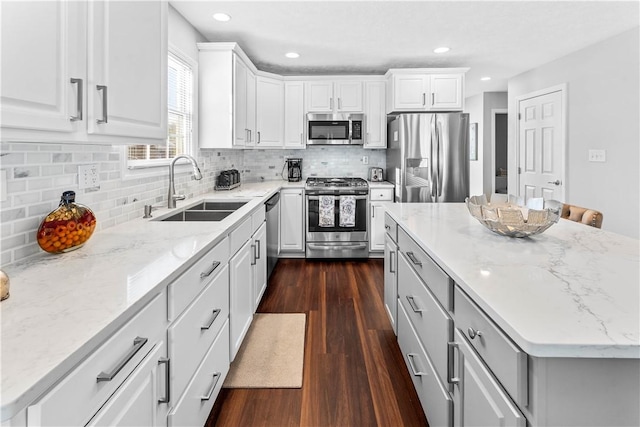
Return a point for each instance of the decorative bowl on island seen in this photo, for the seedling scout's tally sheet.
(510, 216)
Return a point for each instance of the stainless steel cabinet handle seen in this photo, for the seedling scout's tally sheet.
(105, 114)
(216, 312)
(167, 378)
(473, 333)
(413, 304)
(258, 138)
(79, 98)
(253, 260)
(373, 211)
(391, 268)
(211, 269)
(138, 343)
(450, 360)
(415, 372)
(556, 182)
(318, 197)
(337, 247)
(331, 103)
(413, 259)
(216, 377)
(339, 103)
(433, 99)
(250, 135)
(258, 249)
(424, 99)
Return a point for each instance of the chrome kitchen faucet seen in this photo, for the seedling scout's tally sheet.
(197, 175)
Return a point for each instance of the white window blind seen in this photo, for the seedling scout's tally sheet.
(179, 123)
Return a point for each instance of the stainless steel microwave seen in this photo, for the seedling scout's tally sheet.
(330, 129)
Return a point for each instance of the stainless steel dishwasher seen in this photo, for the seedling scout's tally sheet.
(273, 232)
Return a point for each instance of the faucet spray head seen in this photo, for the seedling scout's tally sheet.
(197, 175)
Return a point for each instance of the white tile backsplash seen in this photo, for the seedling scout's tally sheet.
(38, 173)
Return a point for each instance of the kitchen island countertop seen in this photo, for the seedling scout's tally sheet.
(62, 306)
(572, 291)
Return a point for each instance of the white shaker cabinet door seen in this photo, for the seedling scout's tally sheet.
(446, 92)
(43, 65)
(319, 96)
(376, 222)
(260, 264)
(269, 112)
(391, 281)
(291, 221)
(376, 119)
(240, 295)
(141, 400)
(240, 129)
(127, 68)
(410, 92)
(294, 115)
(348, 96)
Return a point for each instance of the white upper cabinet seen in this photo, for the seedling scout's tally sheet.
(270, 113)
(84, 71)
(333, 97)
(38, 92)
(375, 117)
(244, 107)
(429, 89)
(294, 114)
(446, 92)
(127, 69)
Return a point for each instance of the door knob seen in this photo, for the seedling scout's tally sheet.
(556, 182)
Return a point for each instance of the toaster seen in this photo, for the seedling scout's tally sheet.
(375, 174)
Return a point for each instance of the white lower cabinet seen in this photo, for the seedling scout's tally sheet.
(259, 268)
(292, 220)
(143, 398)
(240, 296)
(376, 216)
(194, 406)
(434, 397)
(83, 392)
(479, 398)
(391, 281)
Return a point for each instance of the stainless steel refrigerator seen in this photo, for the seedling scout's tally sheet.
(428, 157)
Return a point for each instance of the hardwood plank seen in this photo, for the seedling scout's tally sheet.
(354, 373)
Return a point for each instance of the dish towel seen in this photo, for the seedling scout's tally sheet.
(347, 211)
(325, 210)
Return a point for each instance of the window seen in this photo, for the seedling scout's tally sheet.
(179, 119)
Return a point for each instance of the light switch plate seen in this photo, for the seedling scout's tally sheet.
(88, 176)
(365, 160)
(597, 156)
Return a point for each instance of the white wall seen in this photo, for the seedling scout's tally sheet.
(182, 34)
(473, 106)
(603, 113)
(479, 108)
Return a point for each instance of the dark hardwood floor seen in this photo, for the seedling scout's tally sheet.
(354, 373)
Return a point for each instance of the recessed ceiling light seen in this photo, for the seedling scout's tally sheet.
(222, 17)
(292, 55)
(485, 79)
(441, 49)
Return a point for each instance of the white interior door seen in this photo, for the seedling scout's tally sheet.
(541, 146)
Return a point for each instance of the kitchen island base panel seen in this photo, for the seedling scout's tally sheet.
(564, 392)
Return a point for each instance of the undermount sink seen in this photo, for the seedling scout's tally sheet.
(205, 211)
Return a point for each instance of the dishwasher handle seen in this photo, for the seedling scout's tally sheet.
(272, 202)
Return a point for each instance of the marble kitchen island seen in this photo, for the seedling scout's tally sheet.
(568, 298)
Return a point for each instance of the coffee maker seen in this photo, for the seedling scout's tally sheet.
(294, 168)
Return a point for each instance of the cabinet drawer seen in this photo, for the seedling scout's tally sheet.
(194, 331)
(257, 218)
(240, 235)
(80, 394)
(437, 280)
(391, 227)
(435, 399)
(185, 288)
(507, 362)
(432, 323)
(196, 403)
(381, 194)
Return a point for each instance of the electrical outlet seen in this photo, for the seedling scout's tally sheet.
(597, 156)
(88, 176)
(3, 185)
(365, 160)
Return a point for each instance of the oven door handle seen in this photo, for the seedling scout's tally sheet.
(363, 197)
(337, 247)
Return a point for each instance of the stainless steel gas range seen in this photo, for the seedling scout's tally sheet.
(337, 212)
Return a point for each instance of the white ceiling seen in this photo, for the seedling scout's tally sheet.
(500, 39)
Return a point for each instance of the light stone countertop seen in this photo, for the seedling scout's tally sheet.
(62, 306)
(572, 291)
